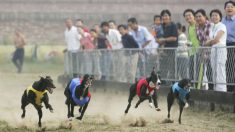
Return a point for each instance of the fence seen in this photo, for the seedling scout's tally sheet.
(204, 65)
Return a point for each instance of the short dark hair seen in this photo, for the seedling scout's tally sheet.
(157, 16)
(123, 26)
(188, 10)
(103, 24)
(216, 11)
(202, 11)
(80, 20)
(132, 20)
(229, 2)
(112, 21)
(180, 27)
(93, 30)
(165, 12)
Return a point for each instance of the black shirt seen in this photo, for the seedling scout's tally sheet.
(129, 42)
(101, 43)
(170, 31)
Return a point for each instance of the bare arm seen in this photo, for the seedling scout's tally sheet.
(216, 39)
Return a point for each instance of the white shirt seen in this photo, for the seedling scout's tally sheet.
(182, 45)
(114, 38)
(215, 29)
(72, 39)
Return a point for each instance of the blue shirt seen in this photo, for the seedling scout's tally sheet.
(182, 92)
(230, 25)
(141, 36)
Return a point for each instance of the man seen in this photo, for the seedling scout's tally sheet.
(194, 43)
(115, 57)
(80, 23)
(72, 39)
(145, 40)
(18, 56)
(229, 22)
(112, 24)
(131, 55)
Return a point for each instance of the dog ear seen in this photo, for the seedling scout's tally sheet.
(153, 71)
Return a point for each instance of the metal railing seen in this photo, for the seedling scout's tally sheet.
(204, 65)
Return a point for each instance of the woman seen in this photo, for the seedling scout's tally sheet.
(217, 40)
(203, 30)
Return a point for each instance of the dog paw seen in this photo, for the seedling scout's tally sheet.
(157, 109)
(22, 116)
(70, 118)
(151, 105)
(79, 118)
(52, 111)
(186, 105)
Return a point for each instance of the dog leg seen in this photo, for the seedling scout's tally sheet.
(40, 116)
(140, 101)
(83, 111)
(154, 97)
(45, 100)
(72, 110)
(131, 96)
(69, 114)
(170, 101)
(24, 103)
(23, 108)
(181, 105)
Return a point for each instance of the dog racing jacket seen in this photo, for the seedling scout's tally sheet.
(182, 92)
(39, 95)
(140, 83)
(72, 87)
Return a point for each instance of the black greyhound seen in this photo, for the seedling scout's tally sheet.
(77, 94)
(146, 89)
(181, 91)
(36, 94)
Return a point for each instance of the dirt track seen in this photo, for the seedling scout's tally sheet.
(105, 112)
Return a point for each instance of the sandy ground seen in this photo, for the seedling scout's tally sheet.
(105, 112)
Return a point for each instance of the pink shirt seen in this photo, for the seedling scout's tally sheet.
(86, 41)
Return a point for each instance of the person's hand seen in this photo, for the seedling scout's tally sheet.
(208, 43)
(65, 50)
(162, 40)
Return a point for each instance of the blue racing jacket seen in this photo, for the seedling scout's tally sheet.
(72, 87)
(182, 92)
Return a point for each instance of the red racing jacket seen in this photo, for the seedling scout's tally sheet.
(140, 83)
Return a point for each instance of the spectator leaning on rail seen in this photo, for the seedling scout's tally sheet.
(182, 52)
(101, 63)
(18, 55)
(72, 39)
(229, 21)
(87, 55)
(145, 41)
(203, 30)
(217, 40)
(169, 40)
(116, 55)
(80, 23)
(112, 24)
(131, 55)
(194, 45)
